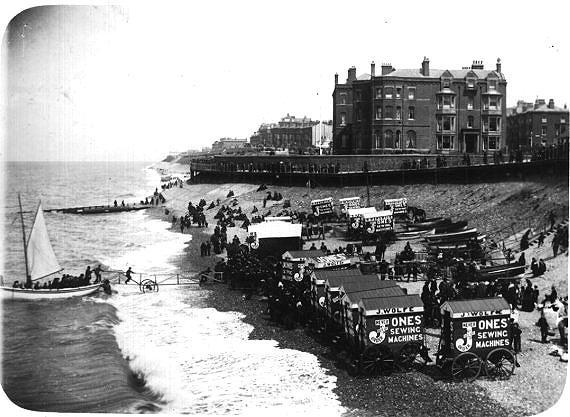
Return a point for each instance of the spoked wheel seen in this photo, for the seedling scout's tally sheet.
(466, 367)
(148, 285)
(377, 360)
(408, 357)
(500, 364)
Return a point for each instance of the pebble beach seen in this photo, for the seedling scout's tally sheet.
(536, 385)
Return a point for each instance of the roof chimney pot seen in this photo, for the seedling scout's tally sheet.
(425, 67)
(372, 69)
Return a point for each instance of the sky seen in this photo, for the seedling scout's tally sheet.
(136, 81)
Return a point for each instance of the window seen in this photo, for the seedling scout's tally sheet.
(470, 122)
(379, 92)
(543, 120)
(378, 112)
(342, 98)
(543, 130)
(411, 113)
(492, 84)
(398, 92)
(446, 123)
(357, 113)
(344, 141)
(446, 102)
(493, 103)
(388, 92)
(493, 125)
(358, 95)
(491, 143)
(377, 139)
(398, 144)
(388, 139)
(445, 83)
(398, 113)
(557, 129)
(343, 118)
(445, 142)
(470, 82)
(411, 139)
(411, 93)
(469, 103)
(389, 112)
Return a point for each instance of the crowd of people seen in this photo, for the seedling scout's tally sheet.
(66, 281)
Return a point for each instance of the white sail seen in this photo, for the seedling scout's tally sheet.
(41, 258)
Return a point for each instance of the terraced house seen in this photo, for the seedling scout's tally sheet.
(420, 110)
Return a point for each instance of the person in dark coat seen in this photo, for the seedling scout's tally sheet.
(543, 324)
(534, 267)
(541, 267)
(522, 260)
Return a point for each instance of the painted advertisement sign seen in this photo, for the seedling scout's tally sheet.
(394, 329)
(473, 334)
(322, 206)
(398, 205)
(349, 203)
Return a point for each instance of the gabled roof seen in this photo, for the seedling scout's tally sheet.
(355, 297)
(372, 305)
(446, 74)
(476, 305)
(326, 274)
(437, 73)
(350, 287)
(336, 281)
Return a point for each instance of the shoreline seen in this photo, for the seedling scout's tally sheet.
(359, 395)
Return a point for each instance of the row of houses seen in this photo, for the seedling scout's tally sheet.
(438, 111)
(295, 134)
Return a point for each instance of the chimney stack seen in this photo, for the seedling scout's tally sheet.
(539, 102)
(336, 78)
(551, 103)
(372, 69)
(386, 68)
(477, 65)
(425, 67)
(499, 65)
(351, 74)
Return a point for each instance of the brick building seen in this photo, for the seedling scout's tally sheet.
(531, 126)
(420, 110)
(293, 133)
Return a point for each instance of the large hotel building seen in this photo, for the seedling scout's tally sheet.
(420, 110)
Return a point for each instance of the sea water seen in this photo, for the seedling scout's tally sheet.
(163, 351)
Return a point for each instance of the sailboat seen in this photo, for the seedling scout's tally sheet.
(40, 261)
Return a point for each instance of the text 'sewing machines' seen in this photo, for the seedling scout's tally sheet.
(475, 338)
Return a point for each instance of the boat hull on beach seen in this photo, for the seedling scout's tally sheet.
(31, 294)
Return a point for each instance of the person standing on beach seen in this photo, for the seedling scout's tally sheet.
(552, 219)
(128, 275)
(181, 224)
(208, 248)
(202, 249)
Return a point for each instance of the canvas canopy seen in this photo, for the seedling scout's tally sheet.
(275, 230)
(391, 305)
(476, 307)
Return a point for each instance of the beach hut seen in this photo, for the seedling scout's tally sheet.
(349, 306)
(349, 203)
(355, 217)
(295, 263)
(274, 238)
(398, 205)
